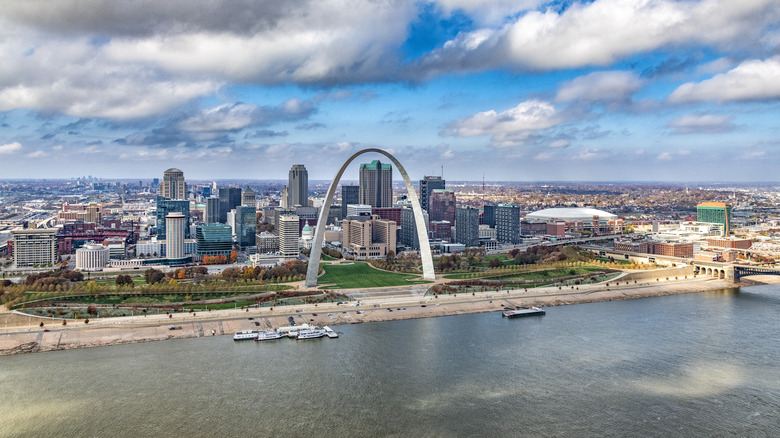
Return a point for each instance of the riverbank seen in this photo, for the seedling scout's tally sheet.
(19, 338)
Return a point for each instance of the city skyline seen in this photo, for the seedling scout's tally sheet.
(526, 90)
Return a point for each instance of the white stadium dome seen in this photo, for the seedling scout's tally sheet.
(576, 214)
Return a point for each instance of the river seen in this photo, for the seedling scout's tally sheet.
(704, 364)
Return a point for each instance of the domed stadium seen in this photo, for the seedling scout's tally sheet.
(580, 219)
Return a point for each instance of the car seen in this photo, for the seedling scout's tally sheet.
(313, 314)
(423, 305)
(251, 319)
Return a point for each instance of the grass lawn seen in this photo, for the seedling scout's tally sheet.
(550, 273)
(361, 275)
(327, 258)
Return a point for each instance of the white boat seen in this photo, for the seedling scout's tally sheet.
(267, 336)
(245, 335)
(523, 311)
(310, 334)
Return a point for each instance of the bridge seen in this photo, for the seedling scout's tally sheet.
(731, 272)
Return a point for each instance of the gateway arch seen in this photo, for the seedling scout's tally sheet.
(422, 233)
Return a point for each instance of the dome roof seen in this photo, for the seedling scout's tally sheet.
(583, 214)
(173, 170)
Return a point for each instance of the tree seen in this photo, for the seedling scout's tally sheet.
(390, 257)
(233, 256)
(231, 274)
(153, 276)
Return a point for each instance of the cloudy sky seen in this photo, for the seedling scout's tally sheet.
(512, 89)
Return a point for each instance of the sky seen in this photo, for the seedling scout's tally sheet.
(512, 90)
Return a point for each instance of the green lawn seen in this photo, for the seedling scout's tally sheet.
(551, 273)
(361, 275)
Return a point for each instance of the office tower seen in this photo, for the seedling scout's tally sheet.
(229, 198)
(467, 226)
(246, 224)
(248, 197)
(376, 184)
(715, 213)
(368, 236)
(409, 235)
(167, 206)
(349, 195)
(173, 185)
(489, 215)
(206, 191)
(427, 185)
(212, 210)
(285, 197)
(35, 247)
(175, 225)
(288, 236)
(358, 210)
(441, 206)
(508, 223)
(214, 239)
(298, 186)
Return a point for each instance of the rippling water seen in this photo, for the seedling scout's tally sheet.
(688, 365)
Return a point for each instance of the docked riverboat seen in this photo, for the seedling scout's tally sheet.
(268, 335)
(245, 335)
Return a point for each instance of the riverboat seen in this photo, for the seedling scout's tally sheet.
(245, 335)
(523, 311)
(267, 336)
(310, 334)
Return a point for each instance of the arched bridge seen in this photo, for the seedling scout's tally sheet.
(727, 271)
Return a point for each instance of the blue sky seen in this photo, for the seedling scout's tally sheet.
(637, 90)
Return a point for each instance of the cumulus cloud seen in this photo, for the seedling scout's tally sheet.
(235, 117)
(512, 127)
(701, 124)
(600, 87)
(10, 148)
(601, 32)
(750, 80)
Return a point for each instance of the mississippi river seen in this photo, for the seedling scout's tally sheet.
(693, 365)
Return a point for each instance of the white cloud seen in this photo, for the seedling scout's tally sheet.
(10, 148)
(750, 80)
(488, 12)
(601, 32)
(507, 128)
(560, 144)
(602, 86)
(701, 124)
(37, 154)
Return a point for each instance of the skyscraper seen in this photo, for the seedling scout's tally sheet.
(248, 197)
(212, 210)
(35, 247)
(508, 223)
(467, 226)
(376, 184)
(175, 225)
(173, 185)
(246, 223)
(489, 215)
(229, 198)
(298, 186)
(409, 235)
(427, 185)
(167, 206)
(441, 206)
(288, 236)
(349, 195)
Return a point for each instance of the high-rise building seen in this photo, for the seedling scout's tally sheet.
(35, 247)
(368, 236)
(508, 223)
(489, 215)
(288, 236)
(167, 206)
(715, 213)
(173, 185)
(248, 197)
(246, 224)
(467, 226)
(298, 186)
(409, 235)
(214, 239)
(441, 206)
(229, 198)
(175, 224)
(427, 185)
(376, 184)
(212, 210)
(349, 195)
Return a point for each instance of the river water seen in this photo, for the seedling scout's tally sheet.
(693, 365)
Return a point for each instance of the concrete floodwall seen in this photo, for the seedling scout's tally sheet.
(659, 273)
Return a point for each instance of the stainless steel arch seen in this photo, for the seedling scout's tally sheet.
(319, 236)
